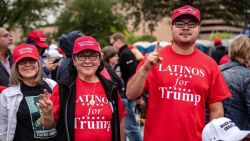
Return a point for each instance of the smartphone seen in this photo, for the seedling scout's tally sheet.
(56, 60)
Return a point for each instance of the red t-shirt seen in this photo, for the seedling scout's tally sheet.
(178, 89)
(225, 59)
(93, 113)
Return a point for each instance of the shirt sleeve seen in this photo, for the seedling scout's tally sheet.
(218, 88)
(56, 102)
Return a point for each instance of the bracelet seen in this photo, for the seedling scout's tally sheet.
(38, 123)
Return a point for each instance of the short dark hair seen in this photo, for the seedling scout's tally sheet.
(117, 36)
(108, 52)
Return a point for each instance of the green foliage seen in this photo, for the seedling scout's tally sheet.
(222, 35)
(151, 11)
(131, 38)
(92, 17)
(25, 14)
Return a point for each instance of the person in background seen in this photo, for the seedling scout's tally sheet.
(19, 112)
(225, 59)
(66, 44)
(180, 80)
(110, 56)
(53, 47)
(52, 55)
(127, 64)
(6, 60)
(86, 106)
(38, 39)
(219, 50)
(110, 59)
(224, 129)
(237, 77)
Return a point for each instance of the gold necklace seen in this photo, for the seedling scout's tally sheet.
(92, 101)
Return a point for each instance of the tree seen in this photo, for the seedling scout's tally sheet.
(92, 17)
(25, 14)
(131, 38)
(151, 11)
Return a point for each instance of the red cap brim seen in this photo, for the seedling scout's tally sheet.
(26, 56)
(42, 44)
(77, 51)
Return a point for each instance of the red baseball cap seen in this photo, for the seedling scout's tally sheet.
(186, 10)
(84, 43)
(38, 37)
(25, 51)
(217, 41)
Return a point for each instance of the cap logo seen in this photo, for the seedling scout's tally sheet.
(42, 39)
(227, 125)
(25, 50)
(86, 43)
(187, 10)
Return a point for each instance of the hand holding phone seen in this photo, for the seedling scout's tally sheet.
(56, 61)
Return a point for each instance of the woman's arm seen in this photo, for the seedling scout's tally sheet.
(136, 83)
(122, 130)
(215, 110)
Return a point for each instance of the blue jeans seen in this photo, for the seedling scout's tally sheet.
(132, 128)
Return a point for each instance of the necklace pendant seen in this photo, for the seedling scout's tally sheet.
(92, 102)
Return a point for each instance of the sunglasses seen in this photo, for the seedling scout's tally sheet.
(113, 43)
(6, 35)
(27, 61)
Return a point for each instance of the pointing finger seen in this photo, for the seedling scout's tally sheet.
(157, 46)
(45, 91)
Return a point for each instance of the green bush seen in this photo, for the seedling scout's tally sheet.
(222, 35)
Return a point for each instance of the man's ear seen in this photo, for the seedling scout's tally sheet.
(199, 28)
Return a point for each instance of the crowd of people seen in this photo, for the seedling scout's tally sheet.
(77, 90)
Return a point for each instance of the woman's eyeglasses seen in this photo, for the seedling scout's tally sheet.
(83, 57)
